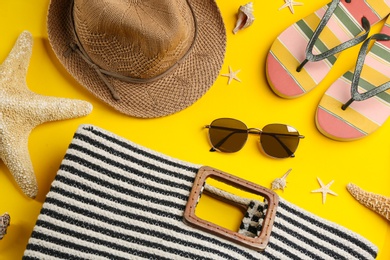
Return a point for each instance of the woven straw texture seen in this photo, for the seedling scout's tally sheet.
(141, 39)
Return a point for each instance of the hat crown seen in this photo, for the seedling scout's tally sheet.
(134, 38)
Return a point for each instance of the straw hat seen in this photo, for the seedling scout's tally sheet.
(144, 58)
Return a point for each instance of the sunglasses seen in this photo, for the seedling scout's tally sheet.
(276, 140)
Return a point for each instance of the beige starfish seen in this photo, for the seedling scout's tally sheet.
(378, 203)
(232, 75)
(21, 110)
(290, 4)
(325, 189)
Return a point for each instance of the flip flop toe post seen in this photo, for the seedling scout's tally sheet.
(358, 103)
(303, 54)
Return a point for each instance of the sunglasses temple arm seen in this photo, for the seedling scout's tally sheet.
(281, 143)
(299, 136)
(285, 147)
(223, 140)
(234, 130)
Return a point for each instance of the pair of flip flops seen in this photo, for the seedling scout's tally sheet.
(358, 103)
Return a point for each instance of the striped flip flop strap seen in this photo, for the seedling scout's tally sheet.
(339, 48)
(355, 95)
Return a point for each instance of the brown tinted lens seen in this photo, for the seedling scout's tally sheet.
(279, 141)
(228, 135)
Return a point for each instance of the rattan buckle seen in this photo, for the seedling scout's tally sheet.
(258, 243)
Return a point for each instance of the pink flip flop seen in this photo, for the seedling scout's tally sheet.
(358, 103)
(303, 54)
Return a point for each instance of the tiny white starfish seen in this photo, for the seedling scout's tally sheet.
(290, 4)
(232, 75)
(324, 190)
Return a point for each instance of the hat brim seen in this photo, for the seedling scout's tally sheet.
(170, 94)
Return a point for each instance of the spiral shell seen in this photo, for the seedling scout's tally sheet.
(245, 17)
(280, 183)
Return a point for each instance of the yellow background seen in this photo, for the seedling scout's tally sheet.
(365, 162)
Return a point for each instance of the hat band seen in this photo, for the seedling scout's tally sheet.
(102, 73)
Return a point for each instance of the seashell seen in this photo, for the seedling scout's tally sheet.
(378, 203)
(4, 223)
(280, 183)
(245, 17)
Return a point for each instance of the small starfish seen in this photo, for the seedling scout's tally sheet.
(21, 110)
(232, 75)
(290, 4)
(324, 190)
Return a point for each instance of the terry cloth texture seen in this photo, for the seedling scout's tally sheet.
(113, 199)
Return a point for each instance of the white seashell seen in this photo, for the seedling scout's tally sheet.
(280, 183)
(245, 17)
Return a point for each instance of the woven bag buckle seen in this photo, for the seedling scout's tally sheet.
(257, 243)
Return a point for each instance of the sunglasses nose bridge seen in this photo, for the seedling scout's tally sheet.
(254, 131)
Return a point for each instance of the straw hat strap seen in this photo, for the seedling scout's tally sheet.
(75, 47)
